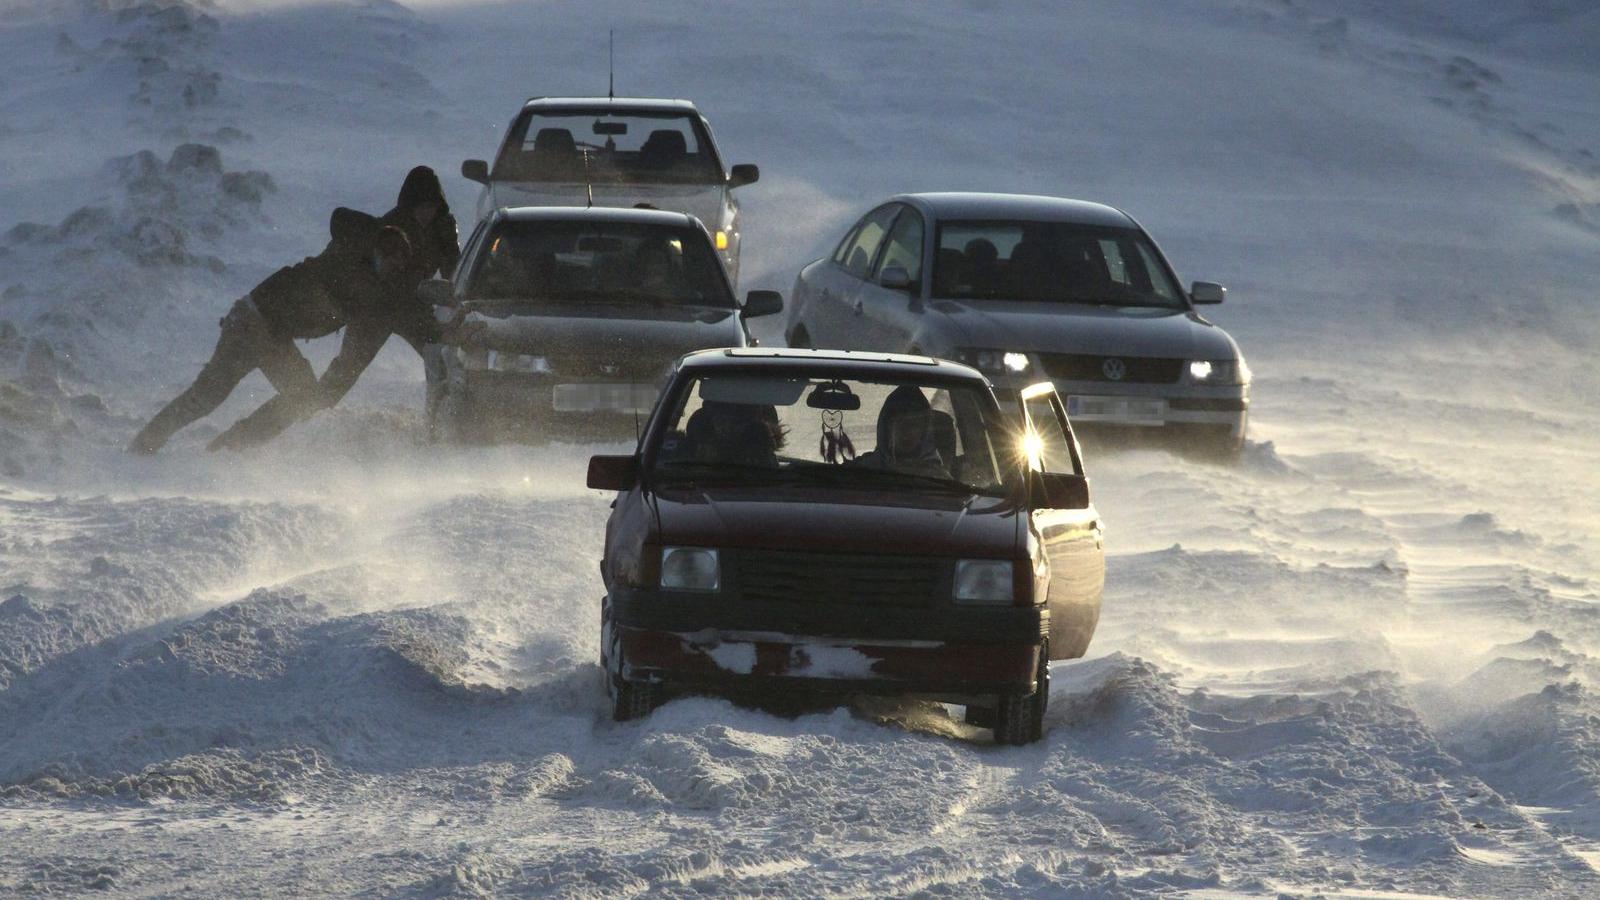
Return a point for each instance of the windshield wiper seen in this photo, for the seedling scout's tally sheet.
(863, 474)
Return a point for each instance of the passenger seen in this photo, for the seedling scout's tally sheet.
(657, 269)
(906, 439)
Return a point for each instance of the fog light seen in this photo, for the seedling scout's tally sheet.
(722, 239)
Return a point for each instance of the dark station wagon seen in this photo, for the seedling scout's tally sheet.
(798, 523)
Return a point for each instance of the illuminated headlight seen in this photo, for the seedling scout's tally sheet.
(996, 361)
(988, 582)
(1219, 371)
(690, 569)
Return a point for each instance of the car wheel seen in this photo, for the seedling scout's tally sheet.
(1218, 447)
(799, 338)
(634, 699)
(1019, 719)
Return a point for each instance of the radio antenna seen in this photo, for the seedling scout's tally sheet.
(611, 65)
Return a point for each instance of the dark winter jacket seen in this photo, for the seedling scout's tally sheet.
(316, 296)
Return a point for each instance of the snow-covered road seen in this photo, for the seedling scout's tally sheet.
(1361, 663)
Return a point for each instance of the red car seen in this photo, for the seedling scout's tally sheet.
(834, 523)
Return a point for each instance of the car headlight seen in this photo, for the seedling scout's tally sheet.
(996, 361)
(690, 569)
(987, 582)
(1219, 371)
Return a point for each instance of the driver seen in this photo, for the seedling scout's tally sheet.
(737, 433)
(905, 436)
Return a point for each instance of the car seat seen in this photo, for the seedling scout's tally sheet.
(943, 428)
(949, 272)
(663, 149)
(983, 267)
(554, 152)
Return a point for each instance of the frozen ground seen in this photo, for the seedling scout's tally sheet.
(1362, 663)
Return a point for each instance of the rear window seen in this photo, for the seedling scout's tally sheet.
(609, 147)
(558, 261)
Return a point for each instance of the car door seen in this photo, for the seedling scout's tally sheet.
(886, 315)
(835, 322)
(1072, 539)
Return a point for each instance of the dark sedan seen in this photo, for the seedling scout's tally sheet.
(569, 320)
(1027, 288)
(808, 522)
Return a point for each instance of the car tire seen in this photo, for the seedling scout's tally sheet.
(1223, 447)
(632, 700)
(1019, 719)
(451, 418)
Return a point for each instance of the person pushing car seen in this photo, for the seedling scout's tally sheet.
(364, 281)
(423, 215)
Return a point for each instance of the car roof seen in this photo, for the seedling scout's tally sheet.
(622, 103)
(1026, 207)
(595, 214)
(839, 361)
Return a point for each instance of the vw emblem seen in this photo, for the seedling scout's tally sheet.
(1114, 369)
(609, 369)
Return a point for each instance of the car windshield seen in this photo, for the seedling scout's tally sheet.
(609, 147)
(1053, 262)
(556, 261)
(854, 433)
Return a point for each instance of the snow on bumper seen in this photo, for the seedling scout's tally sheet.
(726, 658)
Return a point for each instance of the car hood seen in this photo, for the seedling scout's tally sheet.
(1027, 326)
(613, 329)
(703, 201)
(805, 517)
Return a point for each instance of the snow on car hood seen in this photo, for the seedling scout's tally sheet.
(1027, 326)
(894, 521)
(616, 329)
(703, 201)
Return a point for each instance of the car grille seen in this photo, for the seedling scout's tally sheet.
(1086, 367)
(781, 576)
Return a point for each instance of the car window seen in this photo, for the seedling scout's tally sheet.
(1051, 443)
(904, 246)
(468, 254)
(864, 246)
(556, 261)
(788, 427)
(606, 146)
(841, 252)
(1058, 262)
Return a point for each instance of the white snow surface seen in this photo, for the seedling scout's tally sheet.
(1362, 663)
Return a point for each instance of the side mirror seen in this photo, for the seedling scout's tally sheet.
(896, 278)
(1052, 490)
(436, 292)
(1207, 292)
(762, 303)
(743, 174)
(613, 473)
(475, 170)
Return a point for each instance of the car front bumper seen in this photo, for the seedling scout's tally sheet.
(1145, 405)
(721, 646)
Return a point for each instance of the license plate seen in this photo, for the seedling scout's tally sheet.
(1132, 410)
(640, 398)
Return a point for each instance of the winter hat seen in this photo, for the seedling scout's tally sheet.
(421, 186)
(392, 244)
(907, 398)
